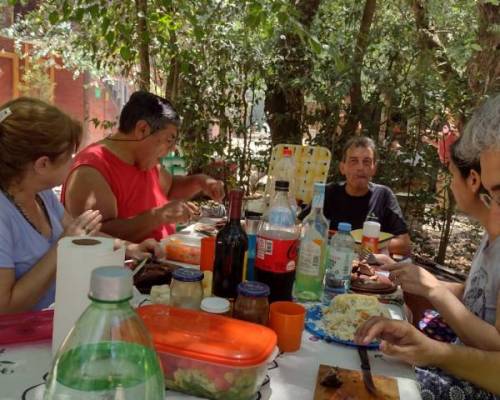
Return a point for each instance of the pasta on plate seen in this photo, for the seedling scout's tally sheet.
(347, 312)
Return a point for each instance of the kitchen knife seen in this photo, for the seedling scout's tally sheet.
(365, 368)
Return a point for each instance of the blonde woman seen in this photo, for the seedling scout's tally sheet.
(37, 142)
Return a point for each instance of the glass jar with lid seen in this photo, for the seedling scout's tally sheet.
(186, 289)
(252, 303)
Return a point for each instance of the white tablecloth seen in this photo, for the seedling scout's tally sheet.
(23, 369)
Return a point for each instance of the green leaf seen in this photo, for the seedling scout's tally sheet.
(126, 53)
(54, 17)
(476, 47)
(78, 15)
(110, 38)
(94, 11)
(105, 24)
(315, 45)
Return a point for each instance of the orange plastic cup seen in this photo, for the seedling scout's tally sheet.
(207, 256)
(287, 320)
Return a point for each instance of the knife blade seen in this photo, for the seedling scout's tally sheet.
(365, 368)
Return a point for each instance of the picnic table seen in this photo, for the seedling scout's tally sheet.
(24, 368)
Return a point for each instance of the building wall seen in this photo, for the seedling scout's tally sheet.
(72, 95)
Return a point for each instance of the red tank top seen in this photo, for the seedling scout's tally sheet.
(135, 191)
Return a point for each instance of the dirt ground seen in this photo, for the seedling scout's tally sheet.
(464, 240)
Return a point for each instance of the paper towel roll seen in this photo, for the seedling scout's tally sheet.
(76, 258)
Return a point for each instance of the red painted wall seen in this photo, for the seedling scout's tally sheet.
(69, 94)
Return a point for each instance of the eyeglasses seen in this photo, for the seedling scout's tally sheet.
(487, 198)
(171, 140)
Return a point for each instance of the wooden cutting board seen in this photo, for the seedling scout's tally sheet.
(352, 386)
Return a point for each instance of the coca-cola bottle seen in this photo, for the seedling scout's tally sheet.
(231, 245)
(277, 242)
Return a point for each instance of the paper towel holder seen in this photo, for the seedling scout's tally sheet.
(86, 242)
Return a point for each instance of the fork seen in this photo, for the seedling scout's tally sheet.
(365, 255)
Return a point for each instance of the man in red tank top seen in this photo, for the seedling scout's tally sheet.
(121, 177)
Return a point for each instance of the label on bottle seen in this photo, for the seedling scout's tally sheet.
(310, 257)
(370, 243)
(341, 263)
(276, 255)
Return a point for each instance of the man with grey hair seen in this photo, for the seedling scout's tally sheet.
(358, 197)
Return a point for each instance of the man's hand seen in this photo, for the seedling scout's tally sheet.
(144, 249)
(178, 212)
(213, 188)
(412, 278)
(382, 259)
(401, 340)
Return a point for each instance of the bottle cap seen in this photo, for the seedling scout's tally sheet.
(253, 289)
(319, 187)
(344, 227)
(215, 305)
(281, 186)
(111, 284)
(371, 229)
(287, 152)
(187, 275)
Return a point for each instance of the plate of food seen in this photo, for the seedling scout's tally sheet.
(366, 278)
(339, 321)
(383, 239)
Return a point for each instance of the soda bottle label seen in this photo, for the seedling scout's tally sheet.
(276, 255)
(341, 263)
(310, 257)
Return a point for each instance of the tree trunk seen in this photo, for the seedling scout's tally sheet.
(430, 43)
(142, 30)
(355, 93)
(483, 69)
(445, 233)
(284, 103)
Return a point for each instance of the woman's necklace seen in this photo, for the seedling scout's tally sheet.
(21, 211)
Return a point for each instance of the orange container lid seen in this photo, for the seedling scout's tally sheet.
(208, 337)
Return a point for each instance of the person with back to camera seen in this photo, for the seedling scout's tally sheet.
(457, 368)
(37, 142)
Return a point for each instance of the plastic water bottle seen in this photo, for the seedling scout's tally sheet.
(108, 355)
(312, 250)
(339, 266)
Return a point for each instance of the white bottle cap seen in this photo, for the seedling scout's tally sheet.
(111, 284)
(371, 229)
(215, 305)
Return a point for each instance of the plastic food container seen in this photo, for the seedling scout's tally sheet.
(183, 248)
(208, 355)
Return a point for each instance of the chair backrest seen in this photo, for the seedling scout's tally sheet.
(311, 165)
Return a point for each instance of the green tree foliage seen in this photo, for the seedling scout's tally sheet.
(416, 64)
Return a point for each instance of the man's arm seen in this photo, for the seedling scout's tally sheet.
(394, 222)
(186, 187)
(400, 244)
(87, 189)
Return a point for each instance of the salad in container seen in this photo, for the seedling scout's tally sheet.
(209, 355)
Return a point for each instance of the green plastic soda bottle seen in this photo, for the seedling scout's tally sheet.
(108, 355)
(312, 251)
